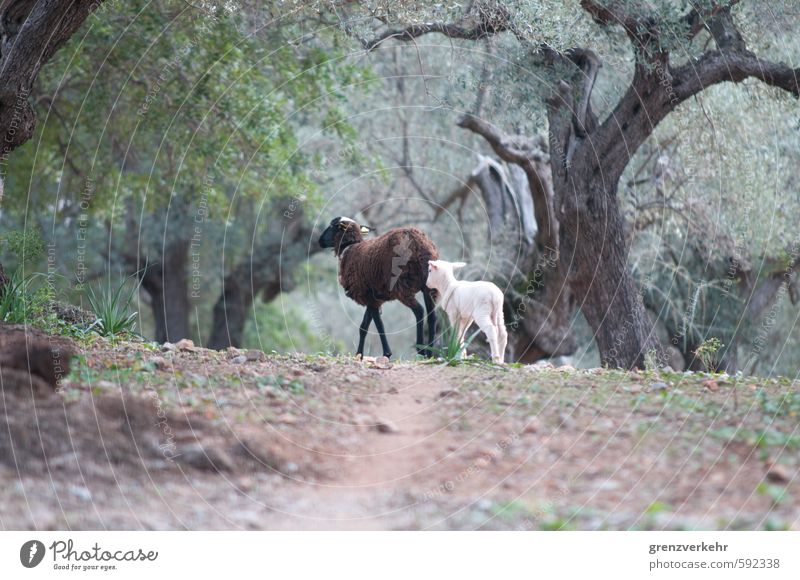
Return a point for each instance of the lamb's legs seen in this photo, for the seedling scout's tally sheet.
(487, 325)
(502, 338)
(430, 306)
(463, 326)
(362, 331)
(376, 317)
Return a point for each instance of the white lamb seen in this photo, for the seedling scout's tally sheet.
(465, 302)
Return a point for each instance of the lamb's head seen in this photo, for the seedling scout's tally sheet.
(341, 233)
(440, 273)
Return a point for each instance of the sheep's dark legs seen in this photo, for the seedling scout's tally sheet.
(376, 317)
(430, 306)
(363, 329)
(419, 314)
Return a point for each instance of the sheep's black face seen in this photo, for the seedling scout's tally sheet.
(326, 240)
(341, 233)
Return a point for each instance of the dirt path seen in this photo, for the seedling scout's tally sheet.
(315, 442)
(399, 452)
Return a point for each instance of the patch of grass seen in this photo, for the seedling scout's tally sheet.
(764, 438)
(112, 307)
(22, 301)
(451, 350)
(779, 405)
(777, 494)
(657, 507)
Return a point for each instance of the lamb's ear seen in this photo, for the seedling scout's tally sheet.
(433, 265)
(457, 265)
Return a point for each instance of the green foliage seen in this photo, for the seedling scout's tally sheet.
(282, 326)
(112, 307)
(25, 245)
(707, 353)
(22, 301)
(450, 348)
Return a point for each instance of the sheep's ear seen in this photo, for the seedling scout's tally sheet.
(366, 230)
(433, 265)
(457, 265)
(343, 225)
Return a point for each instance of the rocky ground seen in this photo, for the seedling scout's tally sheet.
(140, 436)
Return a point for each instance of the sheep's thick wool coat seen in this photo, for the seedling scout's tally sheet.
(393, 266)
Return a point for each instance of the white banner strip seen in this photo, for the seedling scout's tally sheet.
(400, 555)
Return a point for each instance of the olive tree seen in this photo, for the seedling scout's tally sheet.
(679, 50)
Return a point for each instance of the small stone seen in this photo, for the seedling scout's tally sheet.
(105, 385)
(287, 418)
(159, 362)
(168, 347)
(205, 458)
(531, 427)
(386, 427)
(291, 467)
(254, 355)
(447, 393)
(483, 504)
(667, 369)
(245, 483)
(382, 362)
(658, 386)
(393, 391)
(351, 378)
(566, 421)
(542, 365)
(778, 473)
(185, 344)
(238, 360)
(81, 492)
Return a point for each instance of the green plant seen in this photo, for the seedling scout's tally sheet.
(26, 245)
(707, 353)
(651, 360)
(451, 350)
(20, 301)
(111, 307)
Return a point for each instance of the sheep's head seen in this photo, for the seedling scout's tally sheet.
(440, 272)
(342, 232)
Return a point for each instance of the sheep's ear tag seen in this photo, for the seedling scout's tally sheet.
(365, 230)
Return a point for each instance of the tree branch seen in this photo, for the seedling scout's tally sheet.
(721, 66)
(511, 148)
(481, 30)
(529, 154)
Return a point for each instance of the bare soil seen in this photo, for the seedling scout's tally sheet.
(140, 438)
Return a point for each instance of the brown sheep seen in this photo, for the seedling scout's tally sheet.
(393, 266)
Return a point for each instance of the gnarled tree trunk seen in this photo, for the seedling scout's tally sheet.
(167, 284)
(268, 271)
